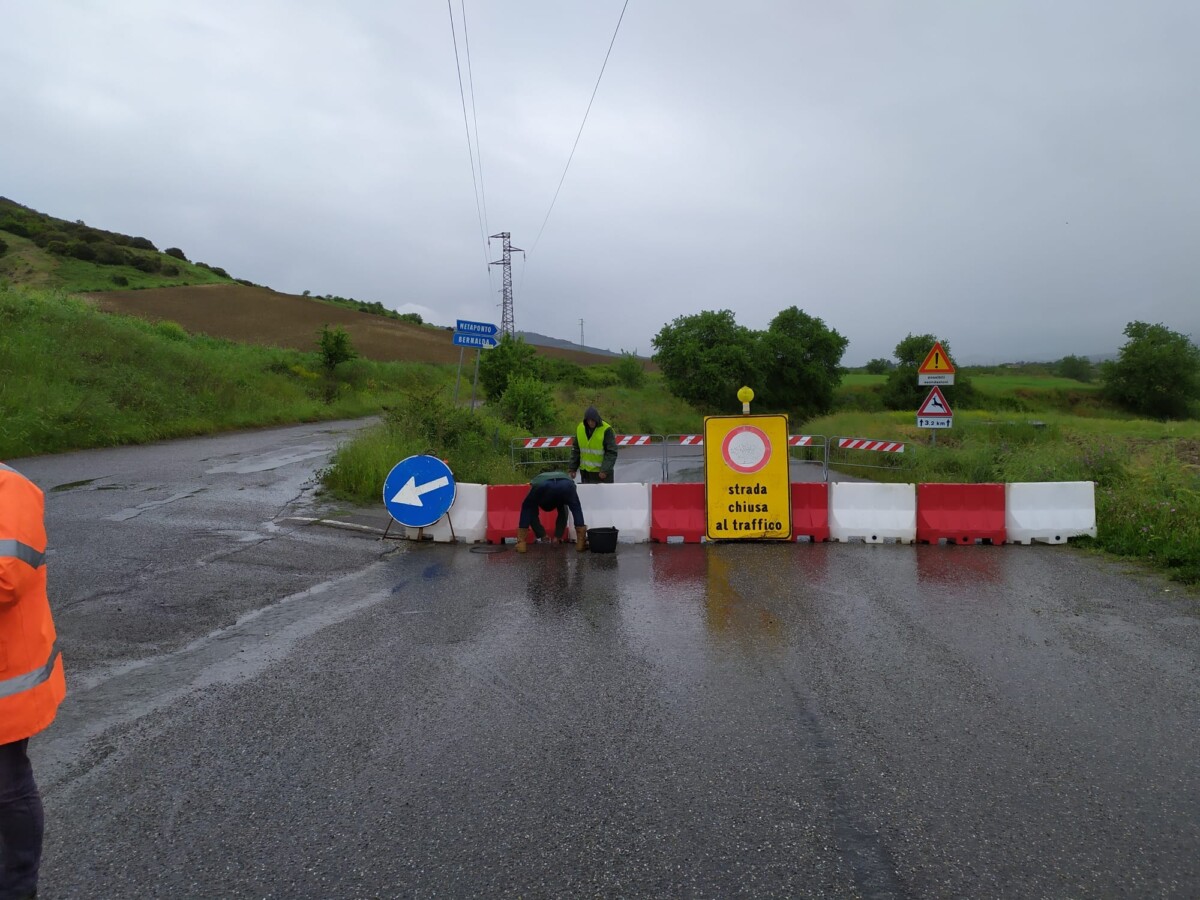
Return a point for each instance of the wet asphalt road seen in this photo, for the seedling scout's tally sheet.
(718, 720)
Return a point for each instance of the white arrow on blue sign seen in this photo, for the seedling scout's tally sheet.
(419, 491)
(485, 328)
(474, 340)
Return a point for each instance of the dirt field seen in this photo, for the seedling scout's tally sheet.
(260, 316)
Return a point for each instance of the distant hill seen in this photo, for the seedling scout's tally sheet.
(129, 274)
(46, 252)
(541, 340)
(257, 315)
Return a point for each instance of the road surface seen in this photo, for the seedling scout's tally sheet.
(260, 706)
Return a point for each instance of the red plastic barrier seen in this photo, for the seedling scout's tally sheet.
(810, 510)
(677, 511)
(504, 513)
(960, 513)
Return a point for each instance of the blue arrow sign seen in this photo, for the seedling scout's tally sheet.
(474, 340)
(485, 328)
(419, 491)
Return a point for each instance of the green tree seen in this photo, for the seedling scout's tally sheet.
(1078, 368)
(878, 366)
(901, 391)
(629, 369)
(527, 403)
(799, 362)
(512, 356)
(334, 346)
(1156, 374)
(706, 357)
(3, 248)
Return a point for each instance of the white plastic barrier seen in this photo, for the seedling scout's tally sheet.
(625, 507)
(469, 513)
(872, 512)
(1049, 511)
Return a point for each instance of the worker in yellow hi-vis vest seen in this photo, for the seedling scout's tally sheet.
(594, 452)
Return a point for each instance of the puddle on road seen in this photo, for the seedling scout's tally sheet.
(267, 461)
(127, 692)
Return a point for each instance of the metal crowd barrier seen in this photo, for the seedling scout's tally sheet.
(804, 448)
(542, 451)
(863, 453)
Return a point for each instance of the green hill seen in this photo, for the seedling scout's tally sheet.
(42, 251)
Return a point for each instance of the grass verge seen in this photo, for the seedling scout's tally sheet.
(73, 378)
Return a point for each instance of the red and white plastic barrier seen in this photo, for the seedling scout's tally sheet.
(960, 513)
(873, 513)
(469, 516)
(1048, 512)
(537, 443)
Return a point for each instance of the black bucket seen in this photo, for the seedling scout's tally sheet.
(602, 540)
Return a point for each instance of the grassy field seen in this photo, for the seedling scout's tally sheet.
(1147, 473)
(72, 377)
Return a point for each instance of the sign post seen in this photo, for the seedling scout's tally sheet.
(747, 483)
(481, 336)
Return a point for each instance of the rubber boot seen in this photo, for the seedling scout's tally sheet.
(580, 537)
(522, 533)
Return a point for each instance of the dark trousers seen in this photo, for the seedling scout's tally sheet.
(21, 823)
(593, 478)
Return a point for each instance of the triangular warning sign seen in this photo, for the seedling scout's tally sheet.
(935, 406)
(937, 362)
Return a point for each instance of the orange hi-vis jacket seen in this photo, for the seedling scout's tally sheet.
(31, 670)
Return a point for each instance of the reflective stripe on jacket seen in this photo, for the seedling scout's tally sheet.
(591, 450)
(31, 670)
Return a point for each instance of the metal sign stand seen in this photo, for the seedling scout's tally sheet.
(420, 532)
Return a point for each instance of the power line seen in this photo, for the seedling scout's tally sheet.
(467, 127)
(581, 124)
(478, 147)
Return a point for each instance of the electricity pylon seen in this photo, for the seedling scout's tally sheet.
(506, 318)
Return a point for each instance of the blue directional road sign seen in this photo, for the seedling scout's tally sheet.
(474, 340)
(487, 329)
(419, 491)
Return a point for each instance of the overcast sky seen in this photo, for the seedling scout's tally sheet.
(1019, 177)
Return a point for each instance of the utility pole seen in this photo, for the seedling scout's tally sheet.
(581, 332)
(506, 318)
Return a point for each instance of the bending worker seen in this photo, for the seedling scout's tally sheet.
(31, 677)
(594, 452)
(551, 491)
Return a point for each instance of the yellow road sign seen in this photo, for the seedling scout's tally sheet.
(747, 485)
(937, 368)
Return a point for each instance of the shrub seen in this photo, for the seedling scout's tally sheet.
(110, 254)
(630, 371)
(527, 403)
(149, 264)
(81, 250)
(511, 357)
(334, 347)
(3, 248)
(170, 270)
(175, 252)
(172, 331)
(120, 280)
(58, 248)
(142, 243)
(15, 226)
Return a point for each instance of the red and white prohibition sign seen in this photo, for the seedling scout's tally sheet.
(746, 449)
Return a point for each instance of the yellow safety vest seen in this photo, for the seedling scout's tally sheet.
(591, 450)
